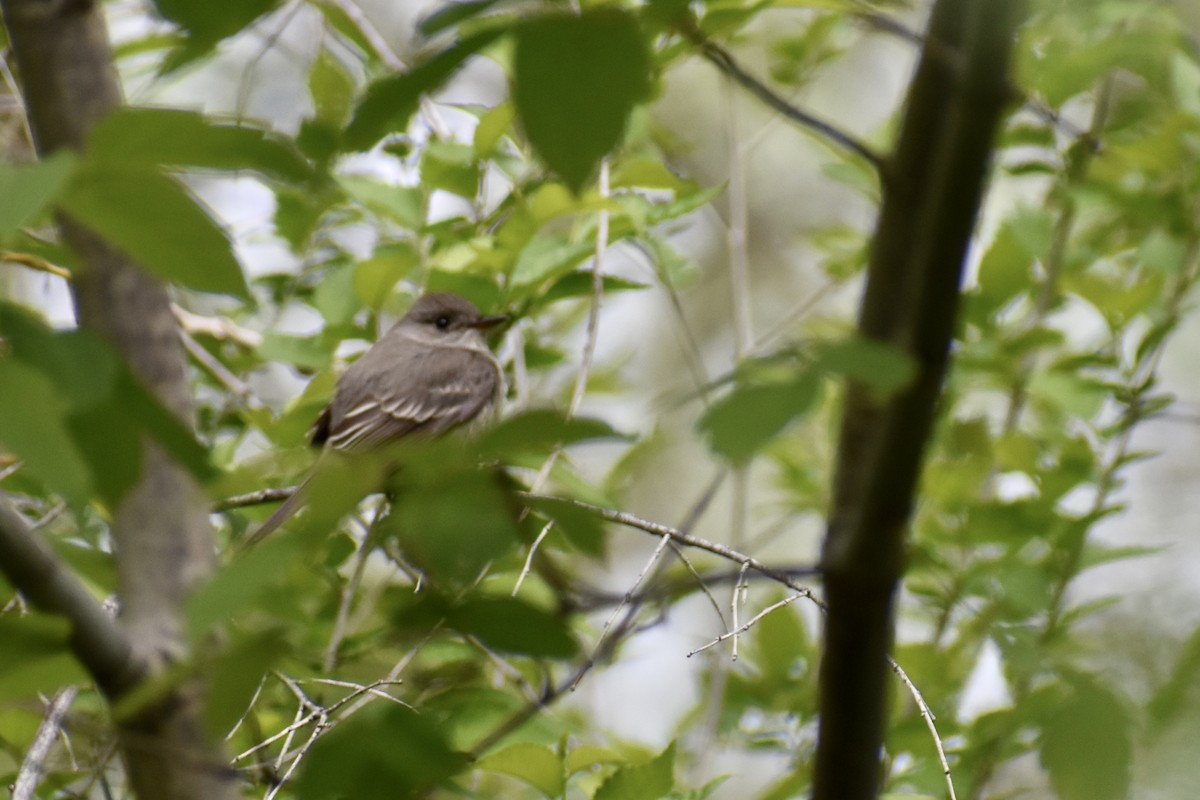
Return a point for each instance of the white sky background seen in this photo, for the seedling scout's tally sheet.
(642, 696)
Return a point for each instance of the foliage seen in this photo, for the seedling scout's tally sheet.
(340, 682)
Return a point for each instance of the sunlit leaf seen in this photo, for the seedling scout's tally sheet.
(535, 764)
(647, 781)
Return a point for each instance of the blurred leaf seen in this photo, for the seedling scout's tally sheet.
(481, 290)
(1177, 694)
(391, 102)
(451, 167)
(452, 14)
(33, 426)
(647, 781)
(451, 518)
(332, 88)
(384, 751)
(308, 352)
(576, 80)
(109, 408)
(579, 284)
(236, 676)
(740, 424)
(27, 189)
(586, 756)
(376, 277)
(494, 123)
(535, 764)
(513, 626)
(207, 22)
(882, 367)
(158, 222)
(335, 296)
(582, 528)
(36, 656)
(547, 257)
(400, 203)
(1086, 744)
(539, 431)
(146, 137)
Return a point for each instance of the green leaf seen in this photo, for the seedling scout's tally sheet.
(236, 676)
(33, 426)
(1086, 744)
(154, 219)
(546, 258)
(576, 80)
(401, 203)
(142, 137)
(582, 528)
(579, 284)
(385, 751)
(648, 781)
(743, 422)
(452, 14)
(375, 278)
(451, 167)
(513, 626)
(1177, 695)
(36, 656)
(109, 408)
(208, 22)
(882, 367)
(535, 764)
(391, 102)
(28, 189)
(451, 518)
(335, 296)
(308, 352)
(494, 123)
(539, 431)
(331, 88)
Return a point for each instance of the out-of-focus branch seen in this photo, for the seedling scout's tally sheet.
(163, 539)
(96, 639)
(930, 202)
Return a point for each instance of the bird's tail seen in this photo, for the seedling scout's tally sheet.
(282, 514)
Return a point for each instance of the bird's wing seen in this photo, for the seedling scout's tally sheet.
(456, 385)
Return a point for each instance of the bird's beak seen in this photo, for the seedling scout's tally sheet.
(483, 323)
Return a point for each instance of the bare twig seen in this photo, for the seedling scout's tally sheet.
(733, 634)
(725, 62)
(33, 766)
(928, 716)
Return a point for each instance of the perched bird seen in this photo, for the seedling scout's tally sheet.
(431, 372)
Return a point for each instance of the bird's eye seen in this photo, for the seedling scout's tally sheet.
(442, 322)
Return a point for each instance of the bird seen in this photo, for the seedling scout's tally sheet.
(430, 373)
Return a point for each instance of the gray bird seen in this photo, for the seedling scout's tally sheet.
(430, 373)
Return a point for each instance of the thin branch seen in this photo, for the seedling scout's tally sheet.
(96, 639)
(747, 626)
(927, 715)
(602, 640)
(36, 263)
(724, 61)
(682, 538)
(33, 766)
(261, 497)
